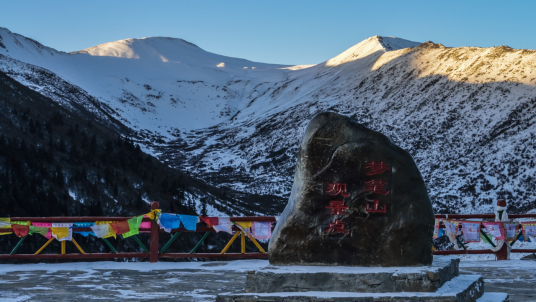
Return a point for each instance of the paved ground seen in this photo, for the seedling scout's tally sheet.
(200, 283)
(520, 284)
(113, 285)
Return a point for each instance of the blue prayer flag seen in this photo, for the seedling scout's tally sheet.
(189, 222)
(170, 221)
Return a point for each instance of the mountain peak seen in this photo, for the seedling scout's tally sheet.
(134, 48)
(369, 46)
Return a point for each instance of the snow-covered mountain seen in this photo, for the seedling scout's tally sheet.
(466, 114)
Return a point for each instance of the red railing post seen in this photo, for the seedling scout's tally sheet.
(502, 254)
(154, 235)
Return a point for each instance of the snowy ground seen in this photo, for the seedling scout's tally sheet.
(196, 281)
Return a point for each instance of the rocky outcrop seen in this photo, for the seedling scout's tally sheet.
(357, 199)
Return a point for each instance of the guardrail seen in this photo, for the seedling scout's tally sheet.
(152, 253)
(502, 254)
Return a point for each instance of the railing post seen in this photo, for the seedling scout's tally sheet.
(154, 235)
(502, 254)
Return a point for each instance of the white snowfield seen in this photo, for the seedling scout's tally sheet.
(156, 83)
(465, 114)
(162, 84)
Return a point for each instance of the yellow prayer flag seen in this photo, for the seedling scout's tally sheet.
(244, 224)
(5, 223)
(111, 232)
(153, 213)
(60, 232)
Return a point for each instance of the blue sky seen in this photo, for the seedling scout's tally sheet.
(286, 32)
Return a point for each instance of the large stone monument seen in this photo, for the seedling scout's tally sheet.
(358, 227)
(357, 199)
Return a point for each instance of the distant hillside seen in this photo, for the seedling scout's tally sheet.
(54, 162)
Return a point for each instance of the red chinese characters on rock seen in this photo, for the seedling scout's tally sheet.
(376, 186)
(336, 227)
(376, 208)
(374, 168)
(336, 189)
(337, 207)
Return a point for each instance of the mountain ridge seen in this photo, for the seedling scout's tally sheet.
(465, 114)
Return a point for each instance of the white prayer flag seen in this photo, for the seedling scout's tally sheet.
(261, 230)
(224, 225)
(100, 230)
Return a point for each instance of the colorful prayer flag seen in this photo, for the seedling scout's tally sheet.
(529, 229)
(62, 231)
(20, 230)
(38, 230)
(145, 225)
(261, 230)
(62, 234)
(44, 225)
(451, 226)
(120, 227)
(471, 231)
(169, 222)
(101, 230)
(189, 222)
(83, 224)
(84, 233)
(210, 221)
(5, 223)
(134, 225)
(153, 214)
(511, 230)
(224, 225)
(245, 226)
(111, 232)
(495, 229)
(436, 228)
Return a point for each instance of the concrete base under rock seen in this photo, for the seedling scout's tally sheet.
(353, 279)
(466, 288)
(435, 283)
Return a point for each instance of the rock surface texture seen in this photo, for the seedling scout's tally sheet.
(357, 199)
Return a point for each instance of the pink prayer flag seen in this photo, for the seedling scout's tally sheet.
(261, 230)
(471, 231)
(44, 225)
(145, 225)
(495, 229)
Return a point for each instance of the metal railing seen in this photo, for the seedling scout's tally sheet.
(152, 253)
(502, 254)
